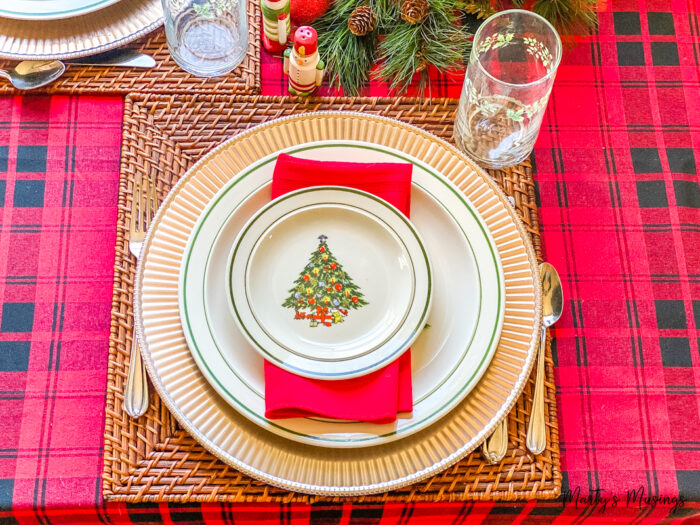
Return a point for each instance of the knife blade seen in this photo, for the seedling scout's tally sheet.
(117, 57)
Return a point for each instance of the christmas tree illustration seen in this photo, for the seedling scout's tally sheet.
(324, 293)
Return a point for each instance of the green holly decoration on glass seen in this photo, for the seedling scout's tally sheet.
(324, 288)
(213, 8)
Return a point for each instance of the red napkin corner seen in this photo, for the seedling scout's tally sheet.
(377, 397)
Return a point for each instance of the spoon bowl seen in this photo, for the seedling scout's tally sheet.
(32, 74)
(552, 295)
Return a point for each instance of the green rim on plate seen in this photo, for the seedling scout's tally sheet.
(225, 391)
(51, 9)
(394, 350)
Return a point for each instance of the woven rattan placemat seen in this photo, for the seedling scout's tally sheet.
(166, 77)
(152, 459)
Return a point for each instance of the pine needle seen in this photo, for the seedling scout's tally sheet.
(569, 16)
(481, 8)
(439, 41)
(349, 58)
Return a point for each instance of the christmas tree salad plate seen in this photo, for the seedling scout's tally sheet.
(329, 282)
(211, 378)
(453, 348)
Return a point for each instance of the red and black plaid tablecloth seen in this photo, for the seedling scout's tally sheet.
(616, 168)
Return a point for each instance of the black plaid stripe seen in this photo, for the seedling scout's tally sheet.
(627, 23)
(681, 160)
(4, 155)
(675, 351)
(664, 54)
(29, 194)
(630, 53)
(31, 159)
(143, 512)
(17, 317)
(14, 356)
(646, 160)
(660, 23)
(670, 314)
(687, 193)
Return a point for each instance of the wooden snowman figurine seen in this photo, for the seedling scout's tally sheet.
(276, 25)
(302, 63)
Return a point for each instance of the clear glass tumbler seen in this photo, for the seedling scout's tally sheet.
(207, 38)
(512, 65)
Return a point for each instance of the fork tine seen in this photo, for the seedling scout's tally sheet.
(150, 203)
(144, 204)
(135, 204)
(154, 198)
(155, 195)
(147, 202)
(141, 206)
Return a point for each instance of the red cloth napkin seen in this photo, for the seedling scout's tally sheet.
(377, 397)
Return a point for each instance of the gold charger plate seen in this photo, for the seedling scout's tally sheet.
(92, 33)
(305, 468)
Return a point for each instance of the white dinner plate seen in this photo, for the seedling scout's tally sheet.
(448, 358)
(328, 282)
(243, 444)
(50, 9)
(112, 25)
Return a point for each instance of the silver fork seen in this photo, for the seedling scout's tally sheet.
(143, 206)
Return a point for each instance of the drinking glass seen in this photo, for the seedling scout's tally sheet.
(206, 37)
(511, 70)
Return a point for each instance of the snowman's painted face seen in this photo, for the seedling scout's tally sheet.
(306, 33)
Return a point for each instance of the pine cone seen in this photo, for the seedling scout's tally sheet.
(422, 63)
(414, 11)
(362, 20)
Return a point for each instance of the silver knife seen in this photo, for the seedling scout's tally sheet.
(117, 57)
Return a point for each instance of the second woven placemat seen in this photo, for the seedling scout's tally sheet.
(152, 459)
(166, 77)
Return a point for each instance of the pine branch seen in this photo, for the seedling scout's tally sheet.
(480, 8)
(349, 58)
(439, 41)
(569, 16)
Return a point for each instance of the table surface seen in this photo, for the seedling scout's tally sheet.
(616, 171)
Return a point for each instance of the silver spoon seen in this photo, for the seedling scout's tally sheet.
(552, 306)
(32, 74)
